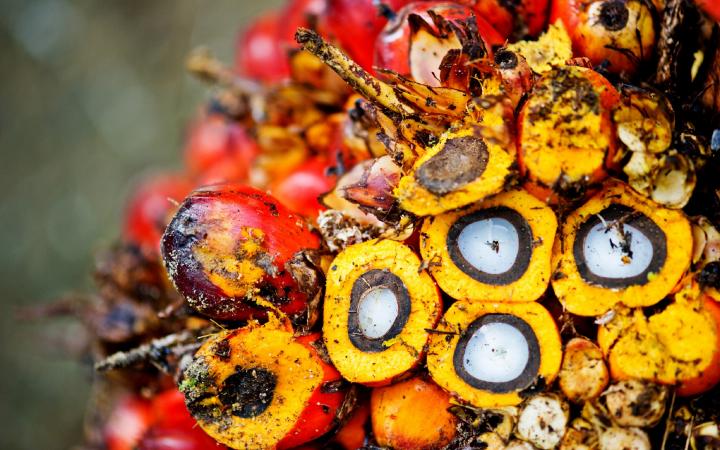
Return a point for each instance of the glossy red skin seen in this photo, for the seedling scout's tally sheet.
(356, 25)
(259, 52)
(532, 13)
(219, 149)
(149, 210)
(162, 438)
(128, 422)
(567, 11)
(300, 13)
(392, 47)
(174, 428)
(241, 207)
(162, 423)
(300, 190)
(711, 7)
(320, 414)
(711, 376)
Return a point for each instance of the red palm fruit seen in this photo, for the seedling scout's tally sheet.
(128, 422)
(262, 387)
(618, 33)
(356, 25)
(300, 13)
(150, 209)
(173, 427)
(711, 7)
(219, 149)
(318, 417)
(522, 17)
(230, 247)
(300, 191)
(163, 438)
(392, 48)
(259, 53)
(412, 414)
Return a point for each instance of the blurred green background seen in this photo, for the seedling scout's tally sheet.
(93, 95)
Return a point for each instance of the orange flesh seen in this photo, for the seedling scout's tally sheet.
(565, 129)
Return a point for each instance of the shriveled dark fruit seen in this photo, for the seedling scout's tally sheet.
(543, 420)
(583, 374)
(635, 403)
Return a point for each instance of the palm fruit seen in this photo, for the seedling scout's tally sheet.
(379, 306)
(618, 34)
(619, 247)
(415, 41)
(543, 420)
(261, 387)
(395, 419)
(567, 115)
(462, 168)
(230, 248)
(583, 374)
(677, 345)
(633, 403)
(487, 354)
(497, 250)
(471, 172)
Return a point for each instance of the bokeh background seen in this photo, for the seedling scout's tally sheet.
(93, 94)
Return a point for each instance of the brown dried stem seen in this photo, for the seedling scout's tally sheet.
(155, 351)
(367, 85)
(206, 67)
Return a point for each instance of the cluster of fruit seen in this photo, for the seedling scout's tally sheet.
(480, 224)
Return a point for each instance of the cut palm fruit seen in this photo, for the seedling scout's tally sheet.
(462, 168)
(680, 344)
(619, 247)
(379, 305)
(261, 387)
(487, 354)
(499, 250)
(412, 414)
(565, 133)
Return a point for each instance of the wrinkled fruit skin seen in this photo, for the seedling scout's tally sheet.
(227, 249)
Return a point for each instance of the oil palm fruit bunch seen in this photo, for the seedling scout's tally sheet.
(473, 224)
